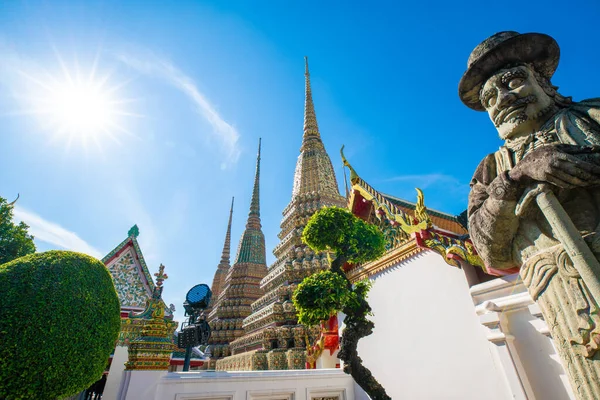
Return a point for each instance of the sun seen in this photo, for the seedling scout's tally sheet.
(82, 107)
(78, 104)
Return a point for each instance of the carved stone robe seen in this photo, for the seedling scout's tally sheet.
(507, 242)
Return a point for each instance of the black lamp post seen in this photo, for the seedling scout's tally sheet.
(197, 331)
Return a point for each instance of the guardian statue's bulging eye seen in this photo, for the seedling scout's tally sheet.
(515, 83)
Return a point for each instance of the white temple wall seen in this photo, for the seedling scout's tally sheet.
(115, 373)
(428, 342)
(247, 385)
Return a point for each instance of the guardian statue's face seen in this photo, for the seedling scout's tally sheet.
(515, 102)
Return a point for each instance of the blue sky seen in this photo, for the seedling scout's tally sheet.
(200, 82)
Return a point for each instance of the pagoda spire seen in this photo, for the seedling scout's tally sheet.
(252, 245)
(314, 171)
(227, 244)
(254, 214)
(311, 128)
(315, 187)
(218, 282)
(241, 286)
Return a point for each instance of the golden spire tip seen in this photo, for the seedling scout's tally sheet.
(306, 65)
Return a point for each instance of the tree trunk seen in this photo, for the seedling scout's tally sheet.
(357, 327)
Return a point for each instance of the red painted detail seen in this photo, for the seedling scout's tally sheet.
(337, 365)
(193, 363)
(308, 366)
(453, 256)
(501, 272)
(420, 239)
(118, 253)
(360, 207)
(425, 234)
(141, 271)
(445, 233)
(124, 314)
(347, 267)
(330, 335)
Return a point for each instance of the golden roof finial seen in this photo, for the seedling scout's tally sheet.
(160, 275)
(353, 174)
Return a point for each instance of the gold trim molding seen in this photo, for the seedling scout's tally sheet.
(392, 257)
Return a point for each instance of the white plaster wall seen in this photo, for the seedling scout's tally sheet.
(536, 352)
(249, 385)
(140, 385)
(115, 373)
(428, 342)
(520, 339)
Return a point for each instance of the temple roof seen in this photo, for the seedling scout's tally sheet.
(440, 219)
(128, 268)
(404, 222)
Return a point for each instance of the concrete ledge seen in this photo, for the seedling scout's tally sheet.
(329, 373)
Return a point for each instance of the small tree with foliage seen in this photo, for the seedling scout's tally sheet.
(15, 241)
(323, 294)
(59, 321)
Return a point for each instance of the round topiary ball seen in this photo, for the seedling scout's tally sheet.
(319, 296)
(59, 321)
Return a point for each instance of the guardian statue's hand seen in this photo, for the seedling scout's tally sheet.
(565, 166)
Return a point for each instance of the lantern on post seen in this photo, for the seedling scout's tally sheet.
(195, 331)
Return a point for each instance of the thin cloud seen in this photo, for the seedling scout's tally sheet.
(150, 64)
(54, 234)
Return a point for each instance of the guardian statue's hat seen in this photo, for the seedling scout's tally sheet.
(502, 49)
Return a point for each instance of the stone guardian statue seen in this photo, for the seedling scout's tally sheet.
(551, 153)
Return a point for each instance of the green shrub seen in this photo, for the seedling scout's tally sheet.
(337, 230)
(319, 296)
(324, 294)
(59, 320)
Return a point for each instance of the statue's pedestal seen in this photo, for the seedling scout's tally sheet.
(328, 360)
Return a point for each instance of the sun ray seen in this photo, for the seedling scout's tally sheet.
(94, 66)
(130, 114)
(122, 129)
(35, 80)
(63, 66)
(119, 86)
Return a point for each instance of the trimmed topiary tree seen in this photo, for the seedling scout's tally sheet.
(59, 321)
(326, 293)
